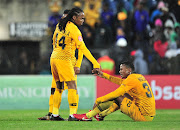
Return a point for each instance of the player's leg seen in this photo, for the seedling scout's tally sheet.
(72, 99)
(58, 91)
(129, 108)
(53, 87)
(66, 73)
(115, 105)
(110, 110)
(57, 98)
(98, 109)
(77, 95)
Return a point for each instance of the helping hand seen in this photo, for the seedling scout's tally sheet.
(97, 72)
(76, 70)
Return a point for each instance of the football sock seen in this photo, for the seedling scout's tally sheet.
(72, 99)
(101, 107)
(77, 96)
(51, 103)
(51, 100)
(57, 101)
(110, 110)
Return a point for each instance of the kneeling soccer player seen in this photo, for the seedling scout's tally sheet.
(134, 97)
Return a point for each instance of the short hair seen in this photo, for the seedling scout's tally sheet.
(66, 11)
(128, 64)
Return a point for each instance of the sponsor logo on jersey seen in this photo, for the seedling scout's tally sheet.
(80, 38)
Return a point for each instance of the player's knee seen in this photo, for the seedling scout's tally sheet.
(52, 91)
(71, 85)
(118, 100)
(60, 85)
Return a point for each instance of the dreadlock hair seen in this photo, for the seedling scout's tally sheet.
(73, 12)
(66, 11)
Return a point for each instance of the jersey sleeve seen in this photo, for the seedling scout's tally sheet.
(112, 79)
(77, 37)
(129, 83)
(79, 60)
(126, 85)
(111, 96)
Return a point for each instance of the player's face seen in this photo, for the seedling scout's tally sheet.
(79, 19)
(124, 71)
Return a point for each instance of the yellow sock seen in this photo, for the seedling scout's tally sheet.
(110, 110)
(101, 107)
(72, 99)
(51, 103)
(57, 101)
(93, 112)
(77, 96)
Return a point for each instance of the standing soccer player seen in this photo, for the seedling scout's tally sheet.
(58, 92)
(134, 97)
(67, 39)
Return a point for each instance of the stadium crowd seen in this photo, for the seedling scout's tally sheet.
(148, 31)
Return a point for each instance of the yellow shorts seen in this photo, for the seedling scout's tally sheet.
(129, 108)
(53, 84)
(62, 70)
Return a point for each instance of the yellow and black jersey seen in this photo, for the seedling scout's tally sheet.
(66, 42)
(138, 88)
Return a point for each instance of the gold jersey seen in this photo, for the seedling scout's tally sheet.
(63, 45)
(137, 87)
(66, 42)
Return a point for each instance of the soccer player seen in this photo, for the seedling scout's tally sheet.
(59, 92)
(66, 39)
(134, 97)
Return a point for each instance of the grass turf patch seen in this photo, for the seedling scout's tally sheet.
(27, 119)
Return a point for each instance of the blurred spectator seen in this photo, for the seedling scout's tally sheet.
(107, 64)
(103, 36)
(157, 31)
(91, 12)
(175, 35)
(174, 6)
(112, 5)
(119, 53)
(140, 64)
(121, 17)
(77, 4)
(158, 66)
(161, 46)
(140, 19)
(88, 35)
(119, 33)
(5, 63)
(169, 27)
(157, 12)
(107, 15)
(24, 64)
(44, 65)
(140, 43)
(86, 67)
(54, 17)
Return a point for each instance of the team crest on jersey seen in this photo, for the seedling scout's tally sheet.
(80, 38)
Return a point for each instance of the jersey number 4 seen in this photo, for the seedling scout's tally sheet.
(62, 44)
(148, 93)
(61, 41)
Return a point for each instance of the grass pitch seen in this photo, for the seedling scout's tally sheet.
(27, 119)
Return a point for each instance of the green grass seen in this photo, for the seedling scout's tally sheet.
(27, 119)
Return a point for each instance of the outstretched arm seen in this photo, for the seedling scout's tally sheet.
(112, 79)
